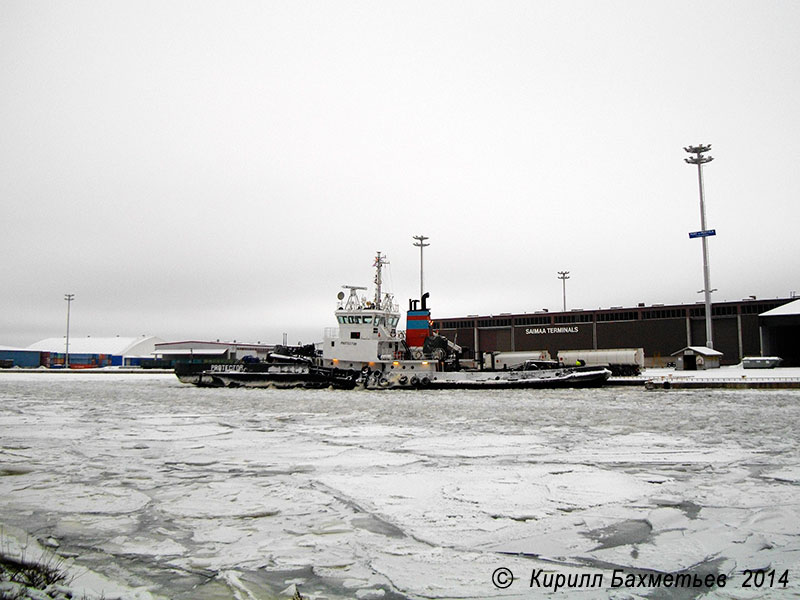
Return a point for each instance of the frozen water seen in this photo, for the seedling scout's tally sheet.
(171, 491)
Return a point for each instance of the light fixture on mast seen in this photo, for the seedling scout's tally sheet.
(563, 276)
(421, 244)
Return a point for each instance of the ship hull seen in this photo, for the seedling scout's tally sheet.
(489, 380)
(269, 375)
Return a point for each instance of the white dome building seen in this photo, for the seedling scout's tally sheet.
(98, 351)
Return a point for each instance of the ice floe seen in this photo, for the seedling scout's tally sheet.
(180, 492)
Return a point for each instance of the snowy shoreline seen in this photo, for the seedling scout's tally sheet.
(734, 376)
(98, 371)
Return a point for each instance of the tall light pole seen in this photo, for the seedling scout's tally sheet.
(704, 233)
(421, 244)
(69, 298)
(563, 276)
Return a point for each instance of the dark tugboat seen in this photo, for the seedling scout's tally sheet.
(286, 367)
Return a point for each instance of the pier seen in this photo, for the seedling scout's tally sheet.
(733, 377)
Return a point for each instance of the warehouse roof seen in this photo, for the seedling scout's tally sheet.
(785, 310)
(13, 349)
(118, 346)
(193, 352)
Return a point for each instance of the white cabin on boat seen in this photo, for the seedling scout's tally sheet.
(367, 332)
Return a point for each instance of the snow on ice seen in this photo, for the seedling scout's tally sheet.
(167, 491)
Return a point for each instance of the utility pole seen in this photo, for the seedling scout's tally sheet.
(421, 244)
(69, 298)
(563, 276)
(704, 233)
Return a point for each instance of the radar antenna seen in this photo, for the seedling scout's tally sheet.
(352, 303)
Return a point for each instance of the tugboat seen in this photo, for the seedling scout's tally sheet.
(368, 351)
(367, 340)
(286, 367)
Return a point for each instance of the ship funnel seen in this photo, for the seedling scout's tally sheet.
(418, 322)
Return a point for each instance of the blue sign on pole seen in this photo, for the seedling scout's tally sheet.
(705, 233)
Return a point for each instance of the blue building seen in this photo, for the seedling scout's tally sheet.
(19, 357)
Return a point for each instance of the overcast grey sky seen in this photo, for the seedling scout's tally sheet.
(219, 169)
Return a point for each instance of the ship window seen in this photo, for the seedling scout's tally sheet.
(341, 319)
(394, 321)
(355, 335)
(367, 319)
(354, 320)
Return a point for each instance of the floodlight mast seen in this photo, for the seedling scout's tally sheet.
(421, 244)
(699, 159)
(563, 276)
(69, 298)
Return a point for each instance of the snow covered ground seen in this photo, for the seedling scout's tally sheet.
(160, 490)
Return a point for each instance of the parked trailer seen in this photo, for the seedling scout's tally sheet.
(620, 361)
(509, 360)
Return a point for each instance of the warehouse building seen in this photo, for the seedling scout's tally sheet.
(86, 352)
(168, 353)
(780, 333)
(19, 357)
(661, 330)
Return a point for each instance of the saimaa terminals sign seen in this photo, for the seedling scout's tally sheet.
(704, 233)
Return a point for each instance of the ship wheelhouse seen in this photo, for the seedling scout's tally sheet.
(367, 330)
(363, 336)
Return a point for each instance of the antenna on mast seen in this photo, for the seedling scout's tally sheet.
(378, 264)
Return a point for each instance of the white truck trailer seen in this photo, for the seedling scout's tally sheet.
(620, 361)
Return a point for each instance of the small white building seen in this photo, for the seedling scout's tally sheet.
(697, 358)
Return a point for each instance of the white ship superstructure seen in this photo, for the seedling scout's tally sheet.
(367, 333)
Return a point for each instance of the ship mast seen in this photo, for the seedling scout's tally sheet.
(378, 264)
